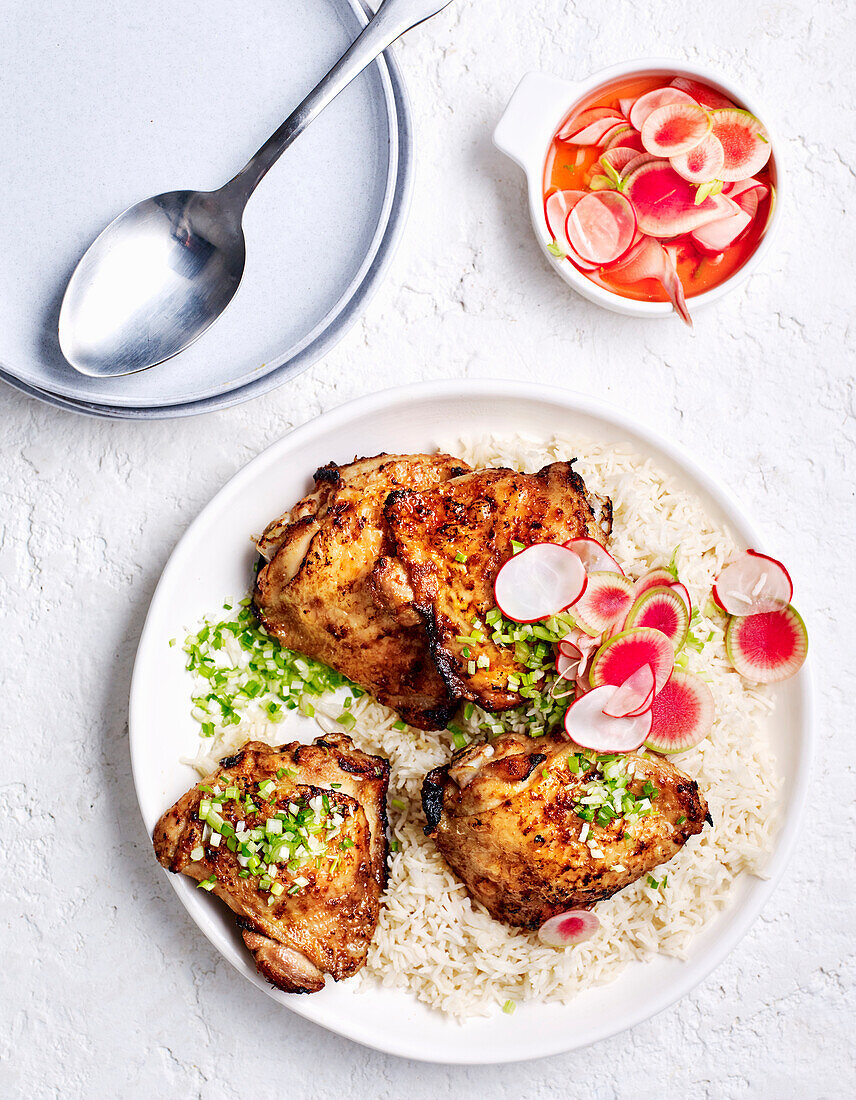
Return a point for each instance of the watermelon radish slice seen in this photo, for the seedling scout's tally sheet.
(556, 208)
(665, 203)
(618, 157)
(638, 161)
(624, 105)
(748, 201)
(745, 143)
(634, 697)
(656, 578)
(600, 227)
(707, 97)
(767, 647)
(675, 129)
(646, 104)
(566, 929)
(587, 118)
(615, 132)
(716, 236)
(625, 653)
(682, 591)
(663, 609)
(752, 583)
(681, 715)
(627, 140)
(594, 132)
(649, 260)
(701, 164)
(605, 602)
(743, 187)
(586, 724)
(540, 581)
(593, 556)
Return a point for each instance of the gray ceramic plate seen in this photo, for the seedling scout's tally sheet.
(100, 114)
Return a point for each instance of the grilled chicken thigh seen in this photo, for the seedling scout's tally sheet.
(450, 542)
(296, 847)
(506, 817)
(319, 593)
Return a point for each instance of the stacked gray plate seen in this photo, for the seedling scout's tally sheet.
(104, 109)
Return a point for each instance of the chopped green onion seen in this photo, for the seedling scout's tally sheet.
(207, 883)
(509, 1007)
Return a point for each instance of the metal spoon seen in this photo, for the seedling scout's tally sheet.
(165, 270)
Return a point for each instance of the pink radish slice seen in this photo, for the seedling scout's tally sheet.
(674, 287)
(586, 724)
(566, 929)
(665, 203)
(587, 118)
(619, 657)
(675, 128)
(578, 643)
(663, 609)
(634, 697)
(556, 208)
(748, 201)
(629, 140)
(540, 581)
(646, 104)
(638, 161)
(594, 133)
(682, 591)
(716, 236)
(605, 602)
(593, 556)
(624, 105)
(701, 164)
(681, 715)
(752, 583)
(740, 187)
(600, 227)
(649, 260)
(568, 671)
(707, 97)
(767, 647)
(745, 143)
(615, 132)
(654, 579)
(618, 157)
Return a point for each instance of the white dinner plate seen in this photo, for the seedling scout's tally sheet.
(213, 561)
(104, 105)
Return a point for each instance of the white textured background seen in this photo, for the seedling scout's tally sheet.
(107, 988)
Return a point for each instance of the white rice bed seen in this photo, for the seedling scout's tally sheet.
(432, 939)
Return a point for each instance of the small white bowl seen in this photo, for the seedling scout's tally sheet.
(525, 131)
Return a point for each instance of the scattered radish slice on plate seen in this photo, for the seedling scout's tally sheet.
(600, 227)
(701, 163)
(674, 129)
(707, 97)
(566, 929)
(654, 579)
(752, 583)
(745, 143)
(594, 557)
(635, 695)
(625, 653)
(768, 646)
(681, 715)
(540, 581)
(605, 602)
(587, 726)
(663, 609)
(646, 104)
(683, 592)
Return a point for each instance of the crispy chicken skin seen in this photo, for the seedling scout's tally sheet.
(502, 815)
(450, 542)
(327, 927)
(320, 593)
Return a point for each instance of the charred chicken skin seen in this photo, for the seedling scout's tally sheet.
(320, 593)
(307, 897)
(506, 818)
(450, 542)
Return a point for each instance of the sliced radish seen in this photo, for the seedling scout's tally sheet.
(674, 287)
(624, 105)
(605, 602)
(702, 163)
(683, 592)
(749, 201)
(752, 583)
(707, 97)
(769, 646)
(654, 579)
(600, 227)
(745, 143)
(634, 697)
(615, 132)
(649, 260)
(663, 609)
(580, 646)
(619, 657)
(593, 556)
(638, 161)
(716, 236)
(566, 929)
(742, 187)
(646, 104)
(665, 203)
(581, 121)
(618, 157)
(592, 134)
(540, 581)
(631, 139)
(556, 208)
(586, 724)
(675, 128)
(681, 715)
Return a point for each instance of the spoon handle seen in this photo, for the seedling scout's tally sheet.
(391, 21)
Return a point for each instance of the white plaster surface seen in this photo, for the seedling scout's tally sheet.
(108, 989)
